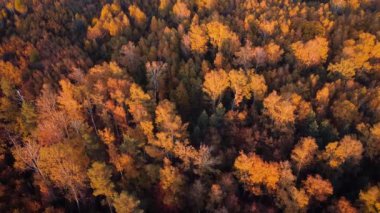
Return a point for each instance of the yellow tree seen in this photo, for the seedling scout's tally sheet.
(313, 52)
(239, 83)
(347, 150)
(198, 38)
(220, 34)
(138, 103)
(169, 125)
(181, 11)
(206, 4)
(370, 199)
(318, 188)
(256, 174)
(171, 182)
(257, 85)
(279, 109)
(126, 203)
(214, 84)
(138, 15)
(123, 162)
(100, 181)
(273, 52)
(65, 164)
(66, 100)
(112, 20)
(357, 55)
(304, 153)
(10, 73)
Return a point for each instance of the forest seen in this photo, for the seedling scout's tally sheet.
(131, 106)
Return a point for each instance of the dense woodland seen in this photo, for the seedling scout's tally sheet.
(133, 106)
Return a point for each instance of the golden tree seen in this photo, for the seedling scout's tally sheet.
(138, 15)
(65, 164)
(67, 101)
(257, 85)
(304, 152)
(207, 4)
(346, 150)
(10, 73)
(313, 52)
(198, 38)
(220, 33)
(214, 85)
(357, 55)
(181, 11)
(371, 199)
(171, 182)
(318, 188)
(239, 83)
(112, 20)
(273, 53)
(100, 181)
(256, 174)
(126, 203)
(279, 109)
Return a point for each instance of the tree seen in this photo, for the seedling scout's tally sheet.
(10, 73)
(181, 11)
(373, 143)
(66, 99)
(246, 55)
(138, 15)
(357, 56)
(28, 119)
(112, 20)
(21, 7)
(204, 162)
(345, 112)
(257, 85)
(240, 85)
(343, 206)
(138, 104)
(155, 71)
(126, 203)
(171, 182)
(214, 85)
(206, 4)
(347, 150)
(168, 121)
(279, 109)
(304, 152)
(27, 155)
(370, 199)
(273, 53)
(130, 58)
(220, 34)
(52, 125)
(65, 164)
(317, 187)
(198, 38)
(256, 174)
(100, 181)
(312, 53)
